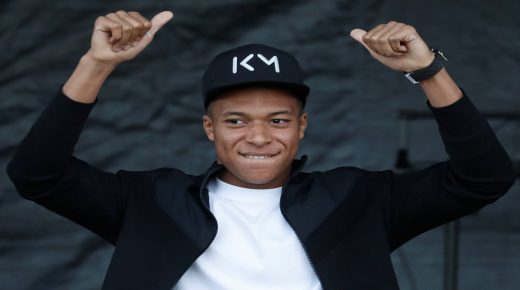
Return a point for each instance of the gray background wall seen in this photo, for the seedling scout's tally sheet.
(149, 113)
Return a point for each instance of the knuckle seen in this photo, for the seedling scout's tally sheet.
(392, 22)
(409, 27)
(135, 14)
(120, 12)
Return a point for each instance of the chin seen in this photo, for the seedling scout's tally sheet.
(257, 180)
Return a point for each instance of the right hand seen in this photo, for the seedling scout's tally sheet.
(120, 36)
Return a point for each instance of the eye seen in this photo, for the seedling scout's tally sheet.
(234, 122)
(280, 121)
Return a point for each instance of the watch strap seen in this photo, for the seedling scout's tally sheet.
(425, 73)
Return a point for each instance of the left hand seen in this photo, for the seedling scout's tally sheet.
(396, 45)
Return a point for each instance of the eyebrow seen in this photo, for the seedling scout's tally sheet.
(241, 114)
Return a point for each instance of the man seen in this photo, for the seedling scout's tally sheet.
(255, 220)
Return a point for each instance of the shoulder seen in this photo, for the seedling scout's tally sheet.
(353, 172)
(159, 175)
(349, 177)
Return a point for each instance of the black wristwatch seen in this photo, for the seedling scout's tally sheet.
(425, 73)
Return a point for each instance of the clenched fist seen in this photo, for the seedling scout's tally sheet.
(396, 45)
(117, 37)
(120, 36)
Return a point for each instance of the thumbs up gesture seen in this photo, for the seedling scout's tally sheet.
(120, 36)
(396, 45)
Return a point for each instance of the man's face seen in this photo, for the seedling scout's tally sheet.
(256, 132)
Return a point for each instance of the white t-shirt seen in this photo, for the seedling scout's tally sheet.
(255, 248)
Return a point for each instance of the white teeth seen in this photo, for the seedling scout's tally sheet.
(257, 157)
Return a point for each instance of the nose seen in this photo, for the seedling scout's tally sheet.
(258, 135)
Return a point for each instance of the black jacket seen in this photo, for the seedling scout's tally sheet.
(349, 220)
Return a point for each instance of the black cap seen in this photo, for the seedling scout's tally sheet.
(253, 64)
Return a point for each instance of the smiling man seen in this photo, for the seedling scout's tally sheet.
(255, 219)
(256, 131)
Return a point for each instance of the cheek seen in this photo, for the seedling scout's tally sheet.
(289, 139)
(225, 140)
(292, 133)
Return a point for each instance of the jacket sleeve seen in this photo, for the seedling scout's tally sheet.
(478, 172)
(44, 171)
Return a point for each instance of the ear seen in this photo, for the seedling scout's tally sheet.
(303, 124)
(207, 123)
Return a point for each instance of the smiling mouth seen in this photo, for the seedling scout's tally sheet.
(257, 156)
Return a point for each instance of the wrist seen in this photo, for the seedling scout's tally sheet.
(441, 90)
(430, 69)
(426, 62)
(86, 80)
(96, 65)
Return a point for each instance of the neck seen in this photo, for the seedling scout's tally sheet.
(228, 177)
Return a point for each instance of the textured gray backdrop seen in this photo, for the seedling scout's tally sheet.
(149, 113)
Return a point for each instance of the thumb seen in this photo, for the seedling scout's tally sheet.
(358, 34)
(159, 21)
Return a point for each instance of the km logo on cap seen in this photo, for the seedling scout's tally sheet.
(244, 63)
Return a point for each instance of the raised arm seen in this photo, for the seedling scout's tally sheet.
(116, 38)
(399, 47)
(43, 168)
(479, 170)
